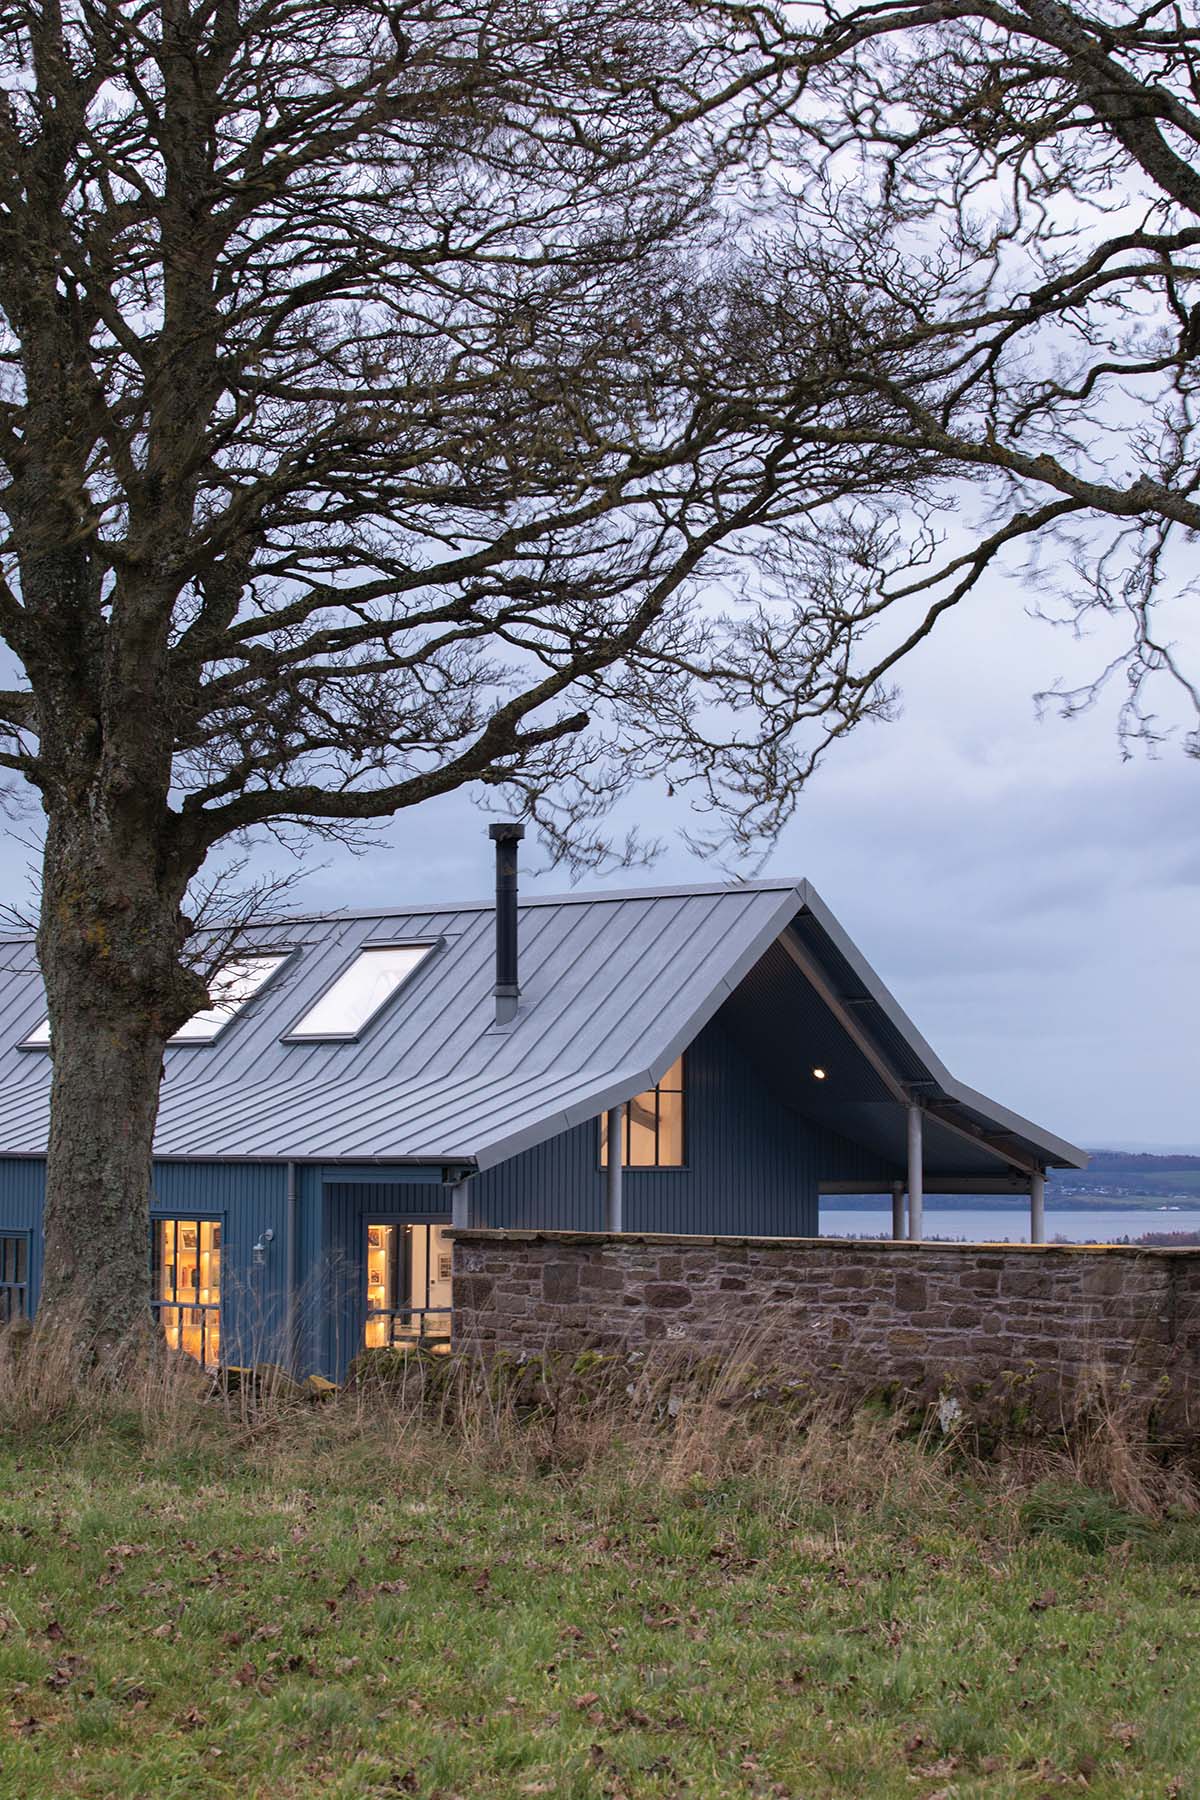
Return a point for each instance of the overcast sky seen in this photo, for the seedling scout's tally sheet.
(1029, 898)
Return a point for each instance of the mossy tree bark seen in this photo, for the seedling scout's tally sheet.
(111, 941)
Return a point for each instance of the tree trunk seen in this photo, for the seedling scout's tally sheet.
(109, 943)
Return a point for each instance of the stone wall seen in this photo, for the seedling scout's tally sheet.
(866, 1315)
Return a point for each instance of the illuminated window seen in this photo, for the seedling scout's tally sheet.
(229, 989)
(408, 1285)
(14, 1277)
(359, 991)
(653, 1126)
(187, 1286)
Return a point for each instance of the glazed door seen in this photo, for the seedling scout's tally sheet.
(407, 1271)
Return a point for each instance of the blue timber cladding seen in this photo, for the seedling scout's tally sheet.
(22, 1189)
(753, 1163)
(347, 1209)
(249, 1199)
(296, 1145)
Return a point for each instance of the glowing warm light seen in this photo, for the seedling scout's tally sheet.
(818, 1074)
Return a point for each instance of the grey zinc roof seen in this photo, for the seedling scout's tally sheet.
(614, 986)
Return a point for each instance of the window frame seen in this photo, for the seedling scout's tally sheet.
(294, 1035)
(23, 1240)
(190, 1216)
(420, 1338)
(655, 1168)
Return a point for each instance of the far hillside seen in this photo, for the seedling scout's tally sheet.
(1128, 1175)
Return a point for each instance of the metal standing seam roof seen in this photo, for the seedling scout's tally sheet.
(613, 987)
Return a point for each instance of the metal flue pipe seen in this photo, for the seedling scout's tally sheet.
(506, 836)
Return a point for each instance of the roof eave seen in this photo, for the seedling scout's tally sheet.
(1054, 1152)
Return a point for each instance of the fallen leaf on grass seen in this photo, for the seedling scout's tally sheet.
(1044, 1602)
(64, 1673)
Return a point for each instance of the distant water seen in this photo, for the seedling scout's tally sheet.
(1006, 1224)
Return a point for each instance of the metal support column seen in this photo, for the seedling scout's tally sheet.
(898, 1209)
(460, 1208)
(916, 1174)
(291, 1274)
(1037, 1207)
(613, 1220)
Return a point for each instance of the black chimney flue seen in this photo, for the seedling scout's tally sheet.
(506, 837)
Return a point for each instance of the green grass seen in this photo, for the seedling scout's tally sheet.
(329, 1617)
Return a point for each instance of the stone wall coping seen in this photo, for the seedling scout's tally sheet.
(477, 1234)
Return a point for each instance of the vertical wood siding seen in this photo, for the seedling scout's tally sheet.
(753, 1164)
(249, 1199)
(753, 1167)
(22, 1194)
(347, 1207)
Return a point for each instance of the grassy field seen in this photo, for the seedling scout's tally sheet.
(349, 1610)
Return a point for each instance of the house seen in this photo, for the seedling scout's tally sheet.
(363, 1080)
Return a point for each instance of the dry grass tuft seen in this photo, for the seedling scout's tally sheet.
(665, 1421)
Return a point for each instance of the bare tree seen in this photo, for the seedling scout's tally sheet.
(1017, 183)
(397, 398)
(379, 405)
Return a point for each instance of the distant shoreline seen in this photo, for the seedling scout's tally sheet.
(1078, 1201)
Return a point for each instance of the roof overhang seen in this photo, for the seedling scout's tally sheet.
(905, 1064)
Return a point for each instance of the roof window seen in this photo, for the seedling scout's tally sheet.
(229, 991)
(347, 1007)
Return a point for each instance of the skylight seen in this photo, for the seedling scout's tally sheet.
(359, 992)
(230, 989)
(236, 983)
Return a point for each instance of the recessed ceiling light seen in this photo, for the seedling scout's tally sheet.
(818, 1074)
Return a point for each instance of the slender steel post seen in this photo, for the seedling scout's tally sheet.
(897, 1209)
(613, 1220)
(1037, 1207)
(460, 1208)
(291, 1274)
(916, 1174)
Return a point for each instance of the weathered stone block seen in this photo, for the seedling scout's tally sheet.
(471, 1293)
(912, 1291)
(667, 1295)
(560, 1281)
